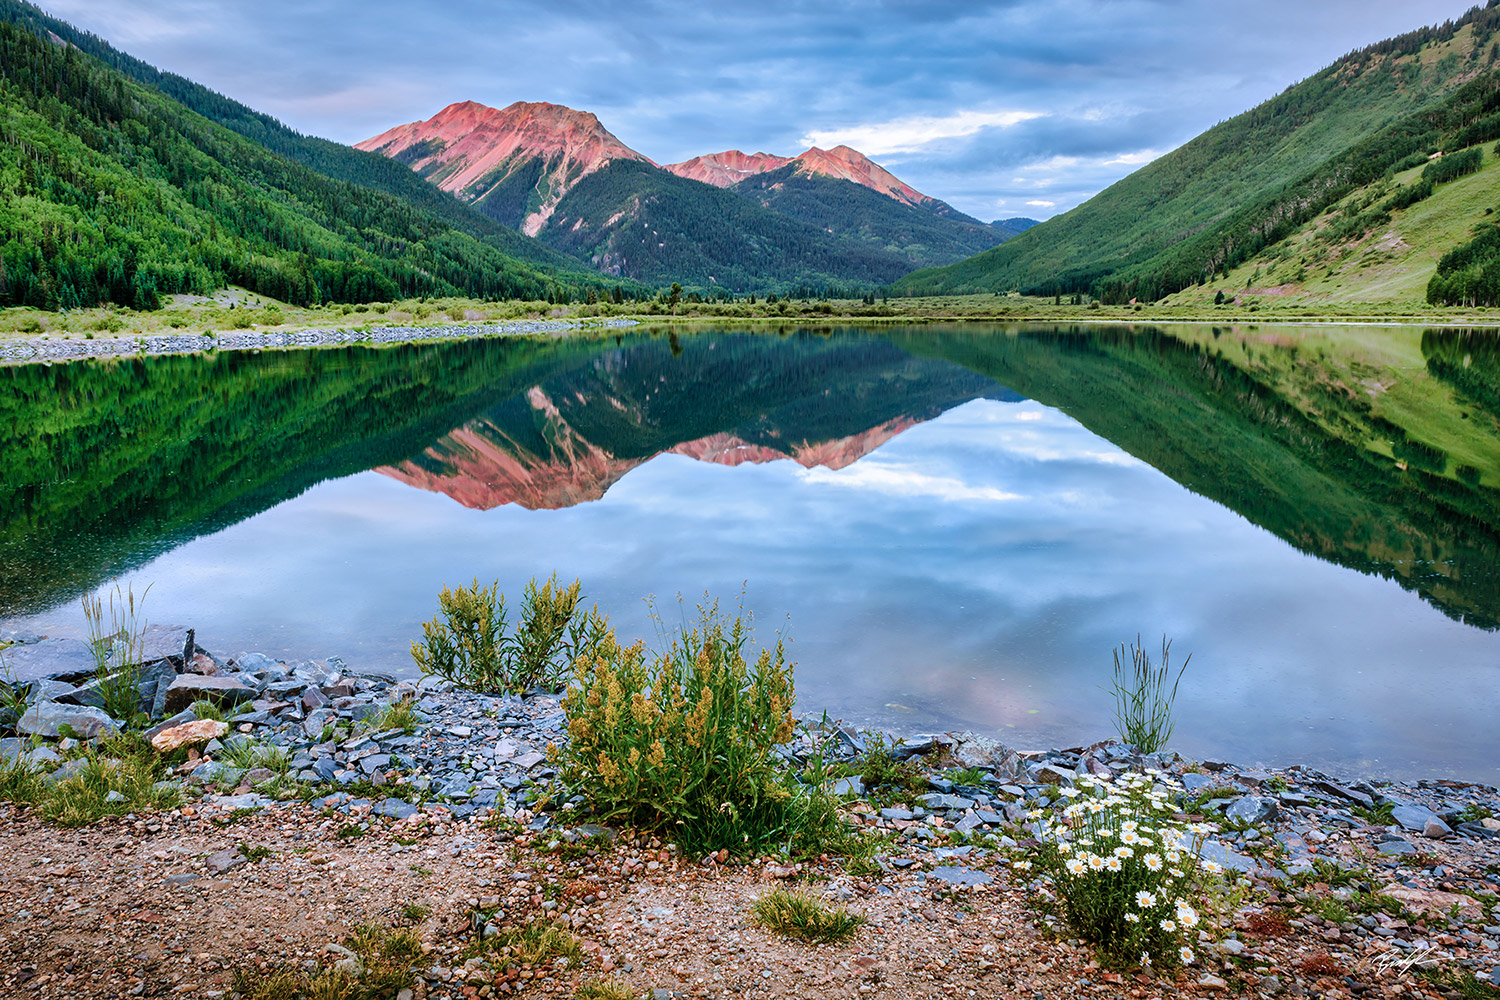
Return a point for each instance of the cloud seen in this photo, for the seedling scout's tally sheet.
(909, 135)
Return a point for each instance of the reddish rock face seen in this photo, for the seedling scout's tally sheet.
(733, 166)
(481, 468)
(467, 148)
(726, 168)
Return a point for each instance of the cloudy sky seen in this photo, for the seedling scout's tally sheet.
(1001, 107)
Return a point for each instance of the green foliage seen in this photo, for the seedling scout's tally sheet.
(535, 943)
(1409, 195)
(468, 643)
(801, 915)
(1143, 703)
(85, 796)
(205, 709)
(21, 781)
(603, 989)
(878, 767)
(400, 714)
(1126, 876)
(113, 192)
(686, 738)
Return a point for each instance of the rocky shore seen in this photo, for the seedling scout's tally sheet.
(35, 349)
(1350, 888)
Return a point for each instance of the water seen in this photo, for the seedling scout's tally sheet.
(954, 527)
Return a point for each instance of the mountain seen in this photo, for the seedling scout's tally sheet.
(1247, 183)
(1014, 227)
(110, 191)
(826, 218)
(515, 163)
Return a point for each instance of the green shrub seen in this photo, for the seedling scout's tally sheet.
(468, 645)
(400, 714)
(1143, 703)
(686, 738)
(1122, 874)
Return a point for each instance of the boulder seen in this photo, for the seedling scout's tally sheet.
(46, 718)
(188, 734)
(50, 659)
(1413, 818)
(158, 642)
(973, 750)
(1433, 902)
(188, 688)
(1251, 809)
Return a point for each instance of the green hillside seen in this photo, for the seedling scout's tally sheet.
(331, 159)
(112, 192)
(642, 222)
(856, 213)
(1252, 180)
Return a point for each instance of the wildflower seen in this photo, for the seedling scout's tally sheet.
(1186, 954)
(1129, 826)
(1132, 918)
(1022, 865)
(1213, 867)
(1168, 925)
(1153, 862)
(1129, 837)
(1113, 864)
(1096, 807)
(1122, 852)
(1077, 866)
(1186, 915)
(1145, 899)
(1071, 793)
(1097, 863)
(1176, 872)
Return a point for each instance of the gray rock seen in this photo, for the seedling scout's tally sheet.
(1413, 818)
(225, 861)
(45, 718)
(1392, 848)
(249, 800)
(1230, 860)
(188, 688)
(1436, 829)
(969, 823)
(1252, 809)
(849, 786)
(46, 690)
(161, 641)
(959, 876)
(156, 678)
(50, 659)
(1343, 792)
(395, 809)
(68, 769)
(1051, 774)
(250, 662)
(1193, 783)
(936, 800)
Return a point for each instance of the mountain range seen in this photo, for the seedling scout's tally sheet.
(556, 173)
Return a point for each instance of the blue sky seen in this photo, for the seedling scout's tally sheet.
(1004, 108)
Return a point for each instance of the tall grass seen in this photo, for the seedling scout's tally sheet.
(1143, 701)
(118, 647)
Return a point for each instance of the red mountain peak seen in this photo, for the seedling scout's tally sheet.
(726, 168)
(852, 165)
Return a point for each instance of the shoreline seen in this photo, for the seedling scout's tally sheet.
(44, 349)
(460, 811)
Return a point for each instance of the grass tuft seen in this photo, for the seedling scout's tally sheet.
(804, 916)
(1143, 702)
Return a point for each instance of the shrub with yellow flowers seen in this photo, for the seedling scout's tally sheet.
(686, 738)
(1120, 872)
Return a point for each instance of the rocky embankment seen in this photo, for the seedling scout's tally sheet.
(1350, 888)
(34, 349)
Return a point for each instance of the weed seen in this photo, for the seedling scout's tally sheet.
(400, 714)
(255, 855)
(539, 942)
(804, 916)
(350, 830)
(1329, 908)
(414, 912)
(1269, 923)
(1379, 815)
(21, 781)
(419, 871)
(205, 709)
(1328, 873)
(966, 776)
(106, 786)
(467, 643)
(603, 989)
(386, 958)
(1143, 703)
(686, 738)
(878, 768)
(1465, 984)
(1199, 802)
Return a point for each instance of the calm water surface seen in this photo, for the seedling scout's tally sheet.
(953, 527)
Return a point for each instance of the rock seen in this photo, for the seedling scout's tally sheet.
(313, 698)
(248, 662)
(936, 801)
(1413, 818)
(1433, 902)
(188, 734)
(158, 642)
(394, 808)
(1252, 809)
(188, 688)
(1436, 829)
(1051, 774)
(155, 679)
(227, 860)
(955, 875)
(45, 690)
(45, 719)
(1230, 860)
(165, 724)
(897, 814)
(1333, 788)
(849, 786)
(1391, 848)
(51, 660)
(973, 750)
(247, 801)
(1193, 783)
(529, 760)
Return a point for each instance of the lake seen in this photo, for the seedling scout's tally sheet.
(954, 526)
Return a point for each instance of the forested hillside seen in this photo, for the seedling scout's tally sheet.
(634, 219)
(1253, 180)
(112, 192)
